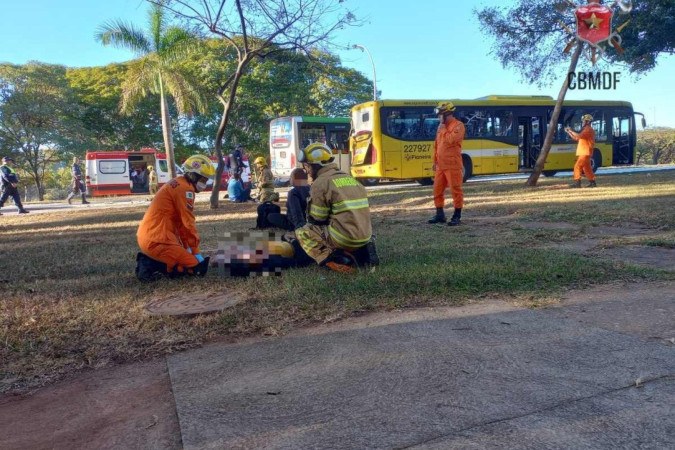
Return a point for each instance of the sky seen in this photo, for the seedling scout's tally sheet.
(426, 49)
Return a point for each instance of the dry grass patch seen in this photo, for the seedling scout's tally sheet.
(70, 300)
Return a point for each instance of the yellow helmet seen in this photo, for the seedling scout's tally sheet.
(260, 161)
(587, 117)
(444, 107)
(316, 153)
(199, 164)
(151, 168)
(280, 248)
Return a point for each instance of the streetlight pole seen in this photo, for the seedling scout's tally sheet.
(363, 48)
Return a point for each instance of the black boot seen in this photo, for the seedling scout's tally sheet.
(576, 184)
(70, 197)
(455, 219)
(84, 200)
(439, 217)
(367, 254)
(148, 269)
(592, 184)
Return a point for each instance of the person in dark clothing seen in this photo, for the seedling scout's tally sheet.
(296, 204)
(10, 180)
(236, 160)
(76, 185)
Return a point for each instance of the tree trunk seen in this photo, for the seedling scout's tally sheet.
(40, 189)
(553, 124)
(166, 131)
(227, 107)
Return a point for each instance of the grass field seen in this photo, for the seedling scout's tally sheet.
(70, 300)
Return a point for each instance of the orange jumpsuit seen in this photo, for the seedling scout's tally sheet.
(168, 228)
(584, 151)
(448, 162)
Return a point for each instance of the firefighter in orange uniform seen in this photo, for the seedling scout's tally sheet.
(586, 139)
(448, 163)
(167, 235)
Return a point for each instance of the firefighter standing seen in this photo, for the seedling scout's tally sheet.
(76, 186)
(264, 182)
(338, 213)
(448, 165)
(586, 139)
(152, 179)
(10, 180)
(168, 233)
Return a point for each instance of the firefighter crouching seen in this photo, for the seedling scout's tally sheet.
(167, 235)
(338, 233)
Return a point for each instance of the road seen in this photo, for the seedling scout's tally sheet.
(137, 200)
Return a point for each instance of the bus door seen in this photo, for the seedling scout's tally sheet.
(622, 151)
(530, 140)
(337, 138)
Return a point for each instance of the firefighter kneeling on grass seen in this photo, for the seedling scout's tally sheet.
(167, 235)
(338, 233)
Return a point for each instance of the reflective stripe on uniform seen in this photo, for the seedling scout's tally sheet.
(348, 205)
(344, 241)
(319, 212)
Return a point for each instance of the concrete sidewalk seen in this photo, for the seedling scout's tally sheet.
(596, 372)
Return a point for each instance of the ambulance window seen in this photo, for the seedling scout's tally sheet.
(117, 167)
(163, 166)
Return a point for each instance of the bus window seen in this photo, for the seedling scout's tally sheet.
(311, 133)
(475, 122)
(572, 118)
(501, 123)
(598, 125)
(409, 124)
(339, 141)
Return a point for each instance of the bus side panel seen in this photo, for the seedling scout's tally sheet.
(283, 136)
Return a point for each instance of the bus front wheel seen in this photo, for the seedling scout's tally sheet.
(369, 181)
(549, 173)
(467, 168)
(596, 160)
(425, 181)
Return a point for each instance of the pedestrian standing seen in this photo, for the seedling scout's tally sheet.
(76, 185)
(152, 180)
(585, 146)
(448, 165)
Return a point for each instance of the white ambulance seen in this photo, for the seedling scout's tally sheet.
(124, 172)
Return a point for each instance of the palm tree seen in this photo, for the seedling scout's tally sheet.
(156, 71)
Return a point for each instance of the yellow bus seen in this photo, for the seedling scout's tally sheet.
(394, 139)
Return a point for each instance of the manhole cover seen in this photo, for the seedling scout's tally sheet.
(181, 305)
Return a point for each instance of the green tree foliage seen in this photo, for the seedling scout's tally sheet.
(282, 84)
(35, 112)
(656, 146)
(255, 29)
(156, 71)
(98, 93)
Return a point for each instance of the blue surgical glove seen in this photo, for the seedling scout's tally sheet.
(199, 257)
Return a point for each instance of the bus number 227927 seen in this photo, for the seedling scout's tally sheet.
(416, 148)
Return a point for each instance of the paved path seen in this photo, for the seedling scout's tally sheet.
(597, 372)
